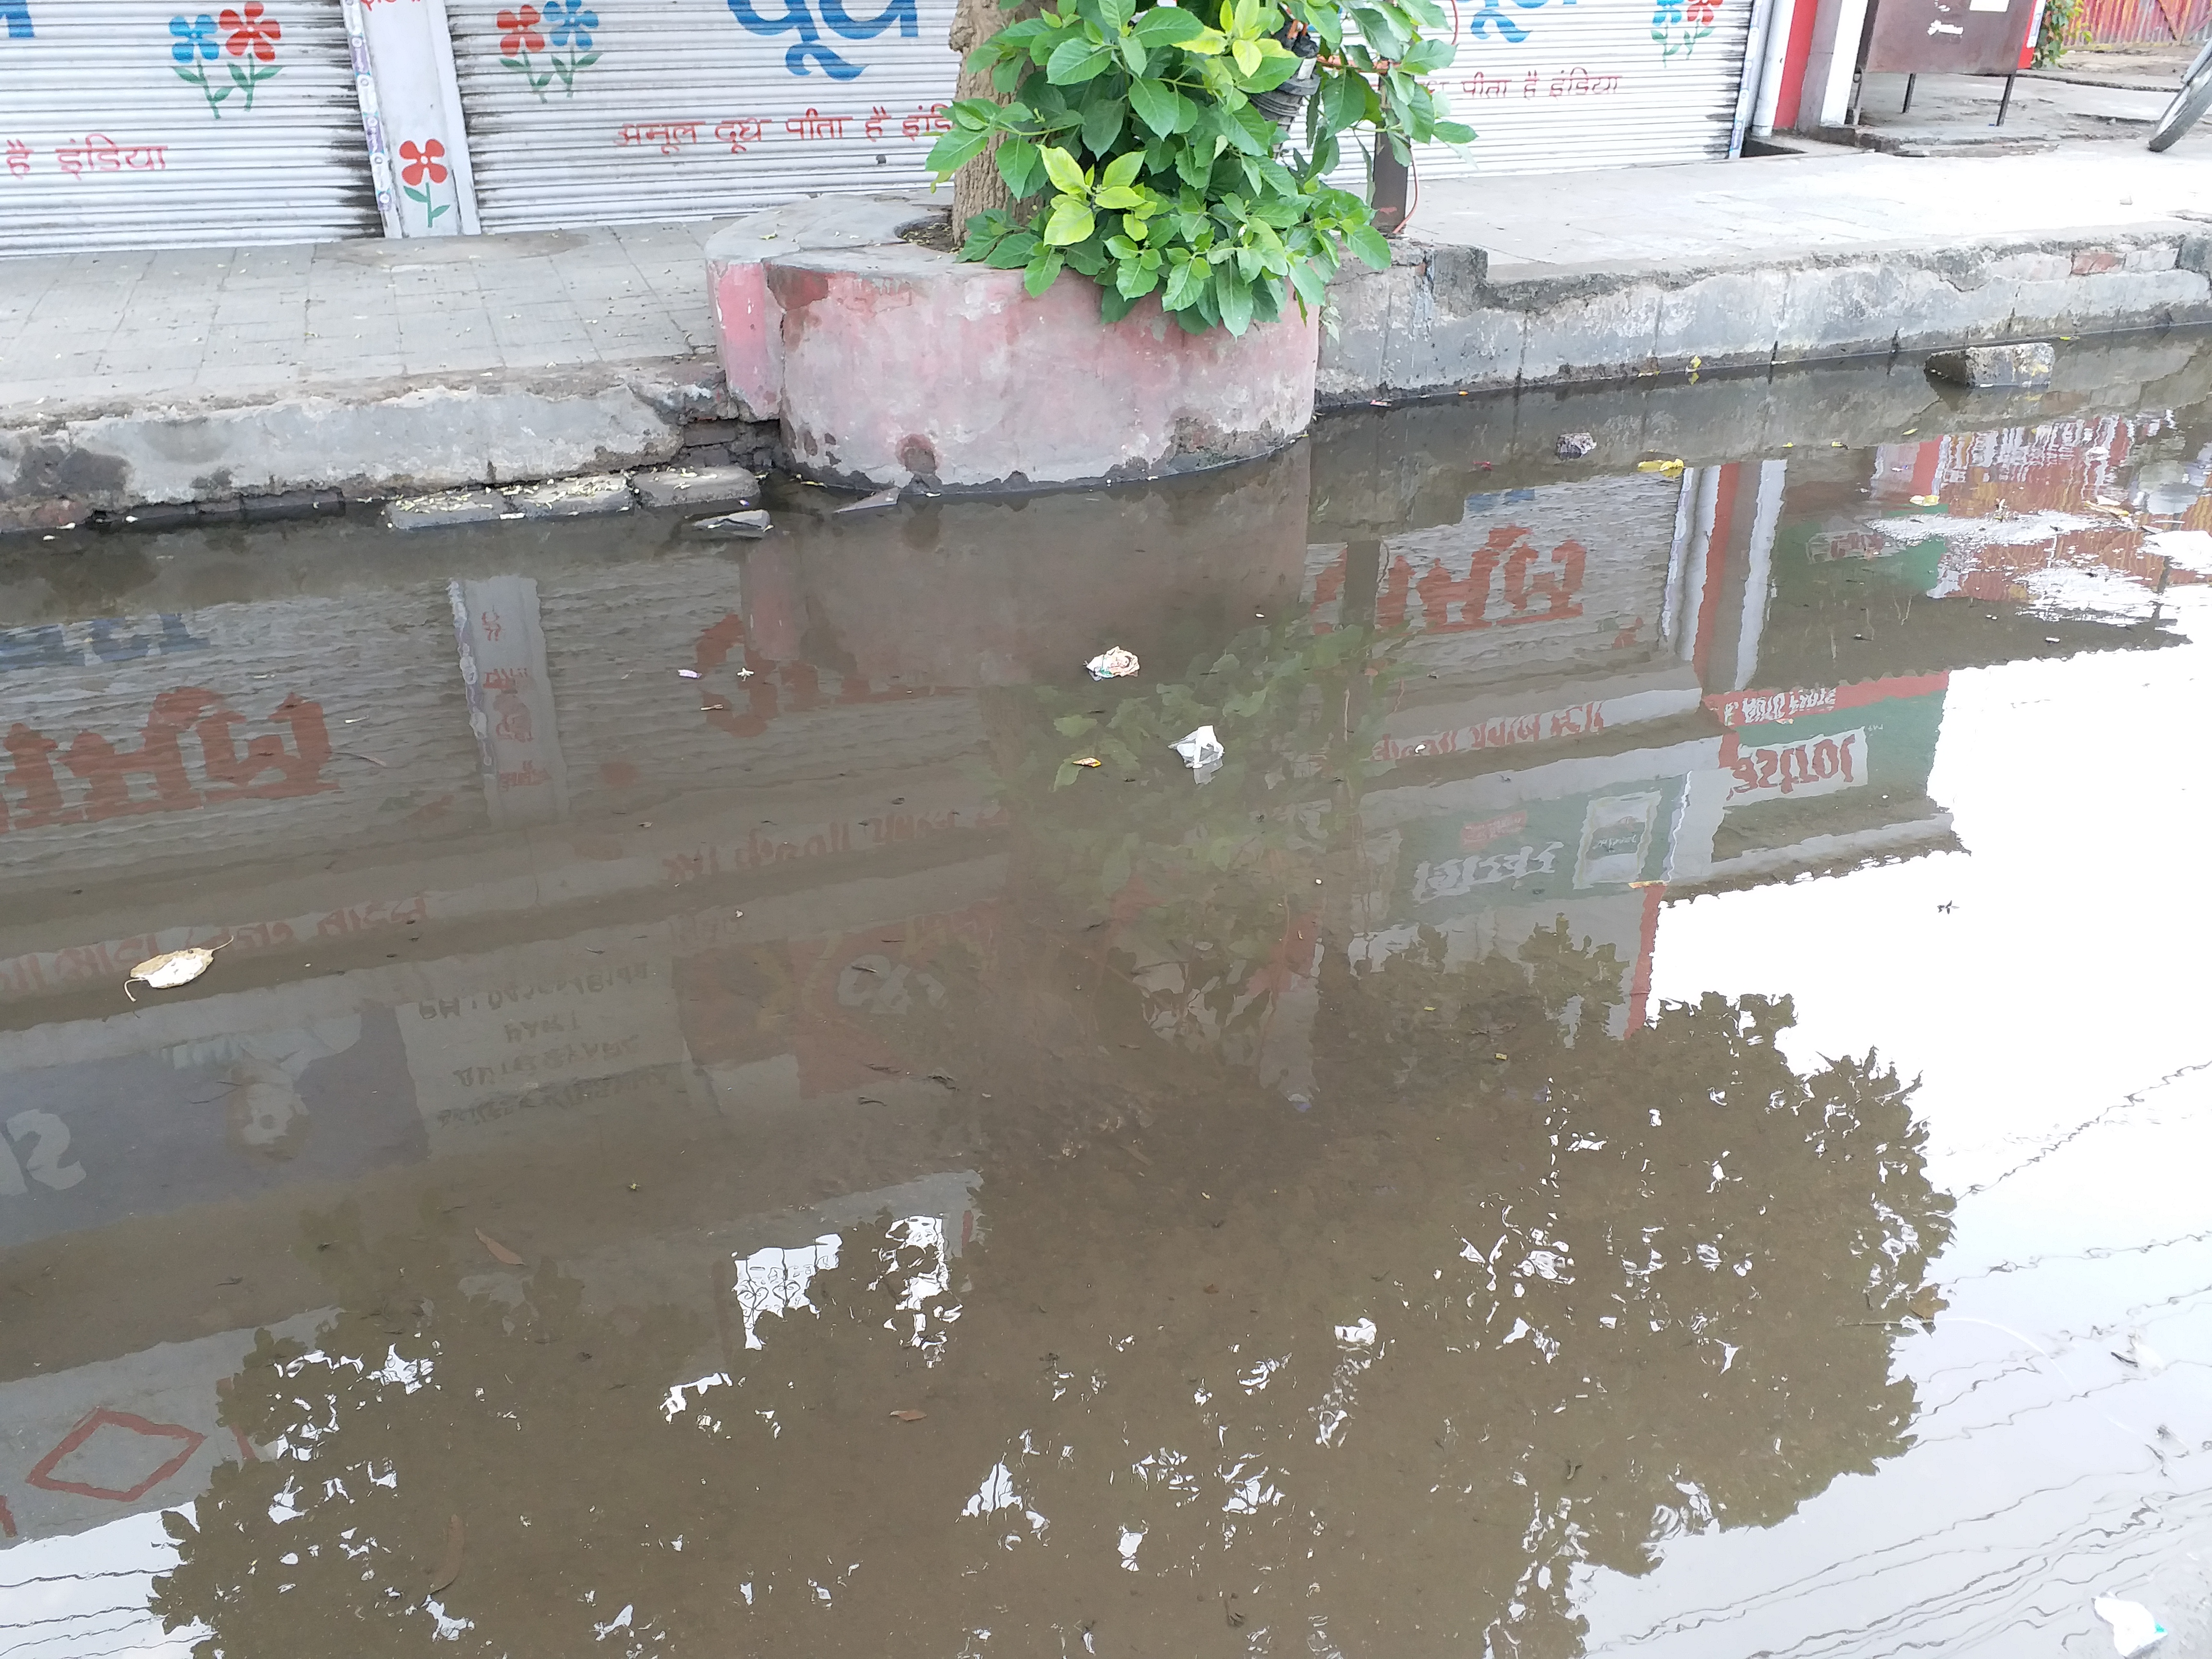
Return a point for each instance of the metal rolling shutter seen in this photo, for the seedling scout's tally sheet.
(1553, 85)
(104, 143)
(678, 109)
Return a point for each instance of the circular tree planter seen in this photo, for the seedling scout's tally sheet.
(889, 363)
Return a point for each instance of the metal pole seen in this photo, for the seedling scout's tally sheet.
(1906, 107)
(1389, 193)
(2005, 103)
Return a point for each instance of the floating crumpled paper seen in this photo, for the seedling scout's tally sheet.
(1202, 752)
(1114, 664)
(174, 968)
(2133, 1629)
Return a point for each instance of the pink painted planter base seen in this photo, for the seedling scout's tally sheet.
(887, 363)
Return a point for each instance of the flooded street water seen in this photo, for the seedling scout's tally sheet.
(1655, 1103)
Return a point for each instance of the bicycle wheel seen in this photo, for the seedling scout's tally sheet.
(2191, 102)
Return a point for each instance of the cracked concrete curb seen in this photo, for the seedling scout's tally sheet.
(1438, 320)
(376, 439)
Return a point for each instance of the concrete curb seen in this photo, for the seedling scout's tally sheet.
(1438, 320)
(376, 438)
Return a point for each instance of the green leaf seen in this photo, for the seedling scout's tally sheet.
(1113, 14)
(1246, 54)
(1021, 166)
(1067, 177)
(954, 150)
(1113, 305)
(1167, 26)
(1453, 132)
(1234, 298)
(973, 114)
(1424, 56)
(1206, 43)
(1076, 60)
(1132, 54)
(1071, 222)
(1043, 271)
(1154, 106)
(1384, 35)
(1275, 68)
(1186, 282)
(1122, 169)
(1312, 287)
(1102, 123)
(1367, 242)
(1118, 197)
(1344, 100)
(1015, 251)
(1134, 280)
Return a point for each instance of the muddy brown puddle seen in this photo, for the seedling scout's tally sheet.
(1657, 1102)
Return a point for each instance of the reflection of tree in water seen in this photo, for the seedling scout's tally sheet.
(1617, 1290)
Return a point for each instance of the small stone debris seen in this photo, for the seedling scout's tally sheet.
(696, 486)
(2025, 366)
(574, 498)
(1573, 445)
(445, 507)
(751, 526)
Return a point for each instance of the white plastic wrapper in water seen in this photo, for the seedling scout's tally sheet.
(1202, 752)
(1113, 664)
(2135, 1630)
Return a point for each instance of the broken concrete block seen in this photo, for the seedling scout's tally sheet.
(752, 525)
(574, 498)
(695, 486)
(1574, 445)
(445, 507)
(2026, 365)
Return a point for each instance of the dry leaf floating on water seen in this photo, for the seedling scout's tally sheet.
(499, 1252)
(449, 1567)
(171, 968)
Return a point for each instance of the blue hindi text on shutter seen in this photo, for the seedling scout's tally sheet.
(797, 18)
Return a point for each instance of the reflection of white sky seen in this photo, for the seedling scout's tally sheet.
(2043, 1012)
(66, 1598)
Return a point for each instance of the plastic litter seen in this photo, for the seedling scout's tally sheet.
(2135, 1630)
(752, 525)
(1927, 500)
(174, 968)
(1672, 469)
(1202, 752)
(1573, 445)
(869, 503)
(1113, 664)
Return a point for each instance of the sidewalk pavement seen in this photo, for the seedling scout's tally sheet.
(375, 367)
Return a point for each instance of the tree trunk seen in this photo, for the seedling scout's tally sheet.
(977, 187)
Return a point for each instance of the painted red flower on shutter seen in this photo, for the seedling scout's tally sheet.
(519, 32)
(251, 31)
(423, 160)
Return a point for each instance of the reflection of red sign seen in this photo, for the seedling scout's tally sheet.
(1474, 837)
(1779, 708)
(1818, 766)
(772, 687)
(266, 771)
(1534, 586)
(126, 1423)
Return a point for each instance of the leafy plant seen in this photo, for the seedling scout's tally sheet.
(2056, 33)
(1137, 125)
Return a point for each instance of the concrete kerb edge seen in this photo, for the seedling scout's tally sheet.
(370, 441)
(1440, 321)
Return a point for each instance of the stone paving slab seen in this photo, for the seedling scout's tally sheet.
(90, 331)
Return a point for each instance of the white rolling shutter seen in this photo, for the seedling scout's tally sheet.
(1551, 85)
(169, 123)
(589, 112)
